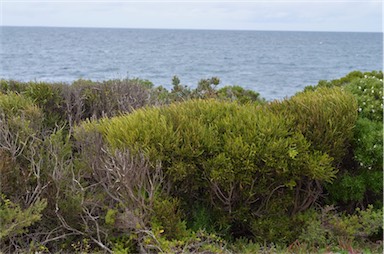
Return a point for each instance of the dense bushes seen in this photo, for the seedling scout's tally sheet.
(248, 165)
(326, 119)
(215, 148)
(360, 178)
(190, 170)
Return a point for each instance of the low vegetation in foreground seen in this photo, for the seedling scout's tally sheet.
(122, 166)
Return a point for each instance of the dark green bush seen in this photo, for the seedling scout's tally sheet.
(239, 94)
(48, 97)
(368, 92)
(163, 210)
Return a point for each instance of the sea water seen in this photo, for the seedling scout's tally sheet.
(275, 64)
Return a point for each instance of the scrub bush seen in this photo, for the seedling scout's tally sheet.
(326, 117)
(325, 227)
(360, 177)
(241, 161)
(14, 220)
(208, 176)
(48, 97)
(239, 94)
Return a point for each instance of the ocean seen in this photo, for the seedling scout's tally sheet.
(275, 64)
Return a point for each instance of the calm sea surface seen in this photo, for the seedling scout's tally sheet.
(275, 64)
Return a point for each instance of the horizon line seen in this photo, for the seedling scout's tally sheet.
(193, 29)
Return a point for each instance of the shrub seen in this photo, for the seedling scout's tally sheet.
(163, 210)
(368, 92)
(239, 94)
(20, 121)
(14, 220)
(326, 117)
(48, 97)
(11, 86)
(362, 167)
(240, 159)
(327, 227)
(13, 104)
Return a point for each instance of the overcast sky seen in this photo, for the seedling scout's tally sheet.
(304, 15)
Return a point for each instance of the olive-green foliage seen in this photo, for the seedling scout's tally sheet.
(194, 242)
(362, 170)
(15, 220)
(325, 227)
(30, 156)
(11, 86)
(62, 103)
(326, 118)
(246, 170)
(109, 98)
(163, 210)
(83, 99)
(20, 120)
(207, 89)
(240, 159)
(277, 228)
(48, 98)
(18, 111)
(239, 94)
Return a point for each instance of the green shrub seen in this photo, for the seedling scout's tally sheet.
(321, 229)
(14, 104)
(326, 117)
(201, 218)
(163, 211)
(362, 168)
(48, 97)
(369, 144)
(239, 94)
(15, 220)
(11, 86)
(240, 160)
(368, 92)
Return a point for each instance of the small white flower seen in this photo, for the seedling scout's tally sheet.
(361, 164)
(363, 102)
(374, 146)
(360, 109)
(369, 167)
(360, 87)
(365, 76)
(373, 111)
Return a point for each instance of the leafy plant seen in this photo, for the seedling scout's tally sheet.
(14, 220)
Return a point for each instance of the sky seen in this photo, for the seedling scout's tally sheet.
(275, 15)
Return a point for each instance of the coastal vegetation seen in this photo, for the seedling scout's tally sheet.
(123, 166)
